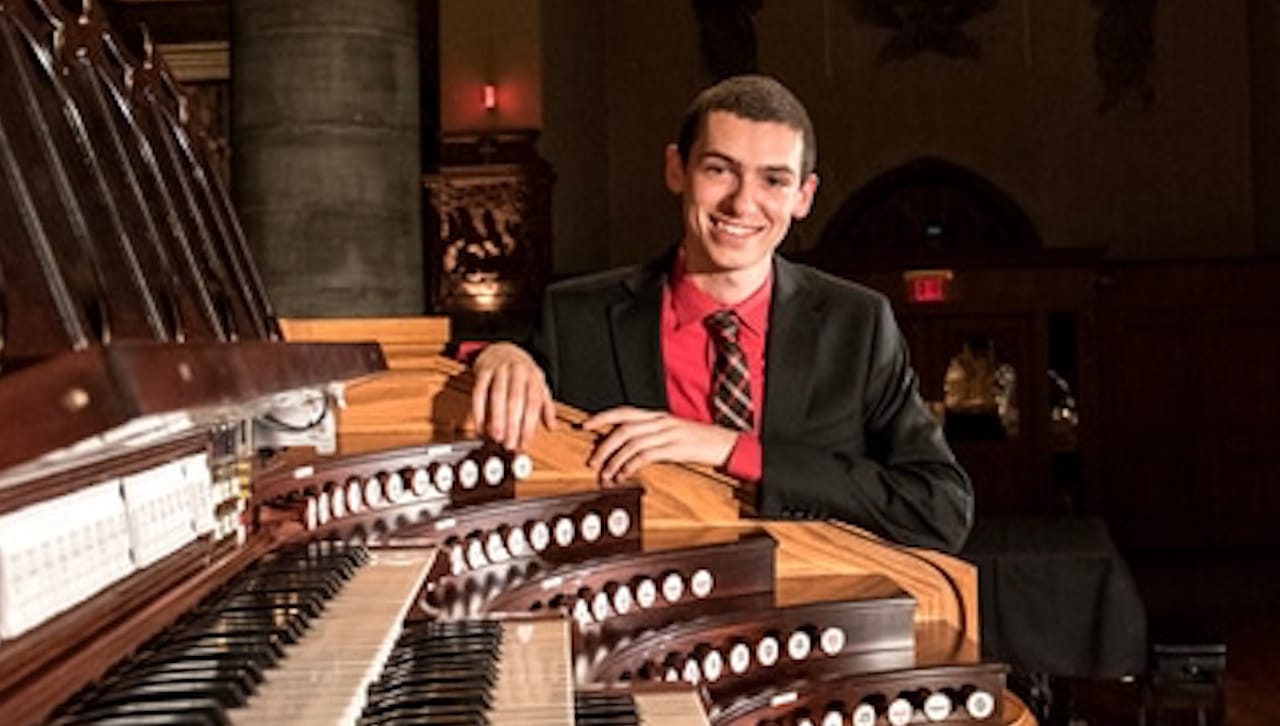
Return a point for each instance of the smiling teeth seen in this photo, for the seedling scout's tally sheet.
(735, 229)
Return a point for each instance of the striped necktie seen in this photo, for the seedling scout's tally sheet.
(730, 380)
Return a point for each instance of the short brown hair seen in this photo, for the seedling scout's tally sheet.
(755, 98)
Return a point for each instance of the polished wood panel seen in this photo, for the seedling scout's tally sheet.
(406, 342)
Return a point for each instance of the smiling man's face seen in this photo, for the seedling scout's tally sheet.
(740, 189)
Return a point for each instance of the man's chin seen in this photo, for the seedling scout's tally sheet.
(733, 263)
(720, 255)
(734, 251)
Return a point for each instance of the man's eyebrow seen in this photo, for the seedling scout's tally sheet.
(712, 153)
(767, 169)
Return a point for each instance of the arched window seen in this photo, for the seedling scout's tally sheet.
(926, 208)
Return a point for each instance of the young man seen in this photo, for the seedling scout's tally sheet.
(723, 353)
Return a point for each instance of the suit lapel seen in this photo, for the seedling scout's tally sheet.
(794, 326)
(637, 349)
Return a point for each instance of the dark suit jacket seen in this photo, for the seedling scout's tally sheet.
(844, 431)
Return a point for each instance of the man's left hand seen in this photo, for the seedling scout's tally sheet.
(641, 436)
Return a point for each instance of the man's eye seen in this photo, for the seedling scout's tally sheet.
(776, 181)
(715, 169)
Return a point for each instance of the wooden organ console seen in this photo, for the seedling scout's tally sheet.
(164, 559)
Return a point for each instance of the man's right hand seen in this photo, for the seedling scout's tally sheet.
(510, 396)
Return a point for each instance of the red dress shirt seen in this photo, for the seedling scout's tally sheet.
(688, 355)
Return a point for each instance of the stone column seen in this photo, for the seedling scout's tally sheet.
(326, 153)
(1264, 90)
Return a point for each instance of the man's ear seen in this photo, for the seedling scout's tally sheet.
(674, 169)
(808, 189)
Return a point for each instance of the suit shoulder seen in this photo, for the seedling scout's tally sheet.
(838, 289)
(596, 283)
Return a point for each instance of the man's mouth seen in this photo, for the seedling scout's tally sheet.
(734, 229)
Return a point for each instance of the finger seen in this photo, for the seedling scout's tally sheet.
(610, 417)
(606, 447)
(535, 410)
(645, 425)
(516, 394)
(528, 422)
(548, 409)
(598, 421)
(633, 464)
(639, 449)
(664, 445)
(620, 415)
(625, 462)
(480, 399)
(498, 403)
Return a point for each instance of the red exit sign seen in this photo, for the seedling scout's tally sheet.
(928, 286)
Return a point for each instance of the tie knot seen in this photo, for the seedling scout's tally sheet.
(724, 325)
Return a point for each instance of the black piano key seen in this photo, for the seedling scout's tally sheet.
(439, 713)
(293, 585)
(434, 719)
(261, 606)
(221, 692)
(436, 716)
(154, 719)
(410, 661)
(251, 617)
(243, 676)
(247, 668)
(214, 657)
(193, 711)
(435, 694)
(282, 619)
(265, 640)
(239, 684)
(442, 676)
(308, 596)
(604, 709)
(234, 629)
(257, 652)
(437, 673)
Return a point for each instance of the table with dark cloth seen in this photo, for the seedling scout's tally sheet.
(1056, 598)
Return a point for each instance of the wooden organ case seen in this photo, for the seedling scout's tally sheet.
(161, 563)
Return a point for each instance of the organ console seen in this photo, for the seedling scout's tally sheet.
(162, 562)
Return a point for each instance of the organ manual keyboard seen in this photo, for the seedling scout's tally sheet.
(137, 349)
(773, 622)
(162, 561)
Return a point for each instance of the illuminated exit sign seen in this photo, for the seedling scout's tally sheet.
(928, 286)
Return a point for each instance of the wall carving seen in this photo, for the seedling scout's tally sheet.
(921, 26)
(488, 224)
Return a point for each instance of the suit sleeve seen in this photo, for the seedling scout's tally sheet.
(903, 482)
(541, 344)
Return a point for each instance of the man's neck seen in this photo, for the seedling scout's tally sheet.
(729, 287)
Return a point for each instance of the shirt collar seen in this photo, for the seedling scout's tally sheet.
(690, 304)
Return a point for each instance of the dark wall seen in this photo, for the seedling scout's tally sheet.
(1188, 356)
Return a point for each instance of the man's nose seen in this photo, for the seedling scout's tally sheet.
(737, 199)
